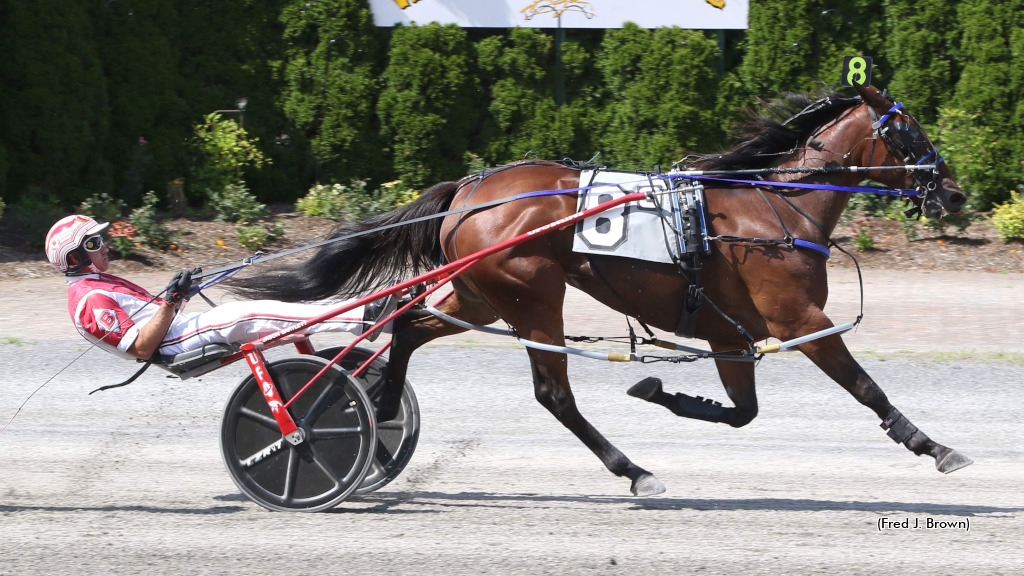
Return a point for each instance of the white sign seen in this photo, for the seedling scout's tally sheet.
(697, 14)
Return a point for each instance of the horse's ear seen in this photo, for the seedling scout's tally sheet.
(872, 96)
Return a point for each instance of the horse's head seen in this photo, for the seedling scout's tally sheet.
(905, 143)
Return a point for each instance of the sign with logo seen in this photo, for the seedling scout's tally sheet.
(696, 14)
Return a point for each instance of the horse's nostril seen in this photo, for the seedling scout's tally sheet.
(958, 199)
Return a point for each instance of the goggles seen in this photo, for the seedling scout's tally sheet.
(93, 243)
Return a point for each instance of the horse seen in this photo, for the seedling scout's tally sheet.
(774, 290)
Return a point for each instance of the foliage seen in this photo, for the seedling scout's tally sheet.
(34, 213)
(353, 202)
(102, 206)
(335, 201)
(234, 203)
(2, 206)
(862, 236)
(665, 85)
(428, 105)
(252, 236)
(330, 70)
(121, 238)
(151, 231)
(960, 222)
(973, 150)
(223, 149)
(1008, 218)
(106, 104)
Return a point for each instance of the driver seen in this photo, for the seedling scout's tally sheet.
(126, 320)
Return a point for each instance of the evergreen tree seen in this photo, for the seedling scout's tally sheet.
(430, 102)
(920, 50)
(661, 93)
(52, 101)
(329, 73)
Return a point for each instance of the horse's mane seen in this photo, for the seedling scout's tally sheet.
(781, 126)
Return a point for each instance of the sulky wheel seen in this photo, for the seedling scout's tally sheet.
(396, 439)
(329, 465)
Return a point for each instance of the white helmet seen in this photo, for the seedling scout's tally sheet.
(66, 236)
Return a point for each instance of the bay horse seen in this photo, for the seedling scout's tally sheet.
(771, 290)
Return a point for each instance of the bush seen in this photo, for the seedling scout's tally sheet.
(151, 230)
(2, 205)
(257, 235)
(234, 203)
(335, 201)
(961, 221)
(1008, 218)
(33, 214)
(102, 206)
(121, 238)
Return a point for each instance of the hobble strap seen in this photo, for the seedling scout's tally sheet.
(898, 427)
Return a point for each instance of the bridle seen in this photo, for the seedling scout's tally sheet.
(897, 131)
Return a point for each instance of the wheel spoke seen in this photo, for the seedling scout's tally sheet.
(330, 433)
(263, 453)
(258, 418)
(397, 424)
(290, 474)
(325, 469)
(323, 402)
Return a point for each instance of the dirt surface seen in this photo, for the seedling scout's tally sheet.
(209, 244)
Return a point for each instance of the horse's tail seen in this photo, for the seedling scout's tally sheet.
(364, 263)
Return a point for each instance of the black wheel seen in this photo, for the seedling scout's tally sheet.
(329, 465)
(396, 439)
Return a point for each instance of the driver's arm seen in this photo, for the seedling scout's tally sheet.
(152, 333)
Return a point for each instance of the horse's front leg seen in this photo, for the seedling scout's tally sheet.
(831, 355)
(738, 379)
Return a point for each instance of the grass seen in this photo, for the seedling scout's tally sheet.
(944, 357)
(12, 341)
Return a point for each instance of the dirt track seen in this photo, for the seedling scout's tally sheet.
(131, 481)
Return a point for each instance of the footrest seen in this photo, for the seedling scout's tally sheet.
(188, 361)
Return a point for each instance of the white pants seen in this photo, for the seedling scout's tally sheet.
(236, 323)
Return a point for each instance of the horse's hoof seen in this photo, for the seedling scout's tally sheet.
(645, 389)
(952, 462)
(646, 485)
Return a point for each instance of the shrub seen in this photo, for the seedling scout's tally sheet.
(151, 230)
(234, 203)
(862, 236)
(961, 221)
(102, 206)
(121, 238)
(335, 201)
(1008, 218)
(254, 236)
(2, 205)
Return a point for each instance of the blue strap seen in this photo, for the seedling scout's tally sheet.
(812, 246)
(869, 189)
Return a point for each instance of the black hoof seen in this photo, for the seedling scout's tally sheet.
(645, 389)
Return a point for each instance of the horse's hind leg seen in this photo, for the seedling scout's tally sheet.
(414, 329)
(541, 321)
(831, 355)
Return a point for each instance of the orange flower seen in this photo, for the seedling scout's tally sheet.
(939, 241)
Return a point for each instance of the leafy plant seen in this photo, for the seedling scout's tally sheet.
(256, 235)
(224, 148)
(102, 206)
(151, 230)
(234, 203)
(121, 238)
(1008, 218)
(2, 206)
(862, 236)
(334, 201)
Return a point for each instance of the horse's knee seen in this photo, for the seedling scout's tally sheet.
(739, 417)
